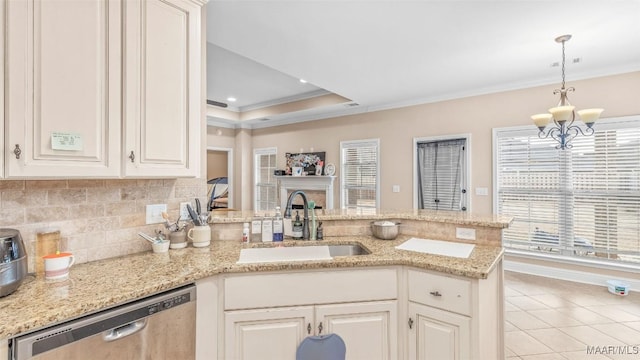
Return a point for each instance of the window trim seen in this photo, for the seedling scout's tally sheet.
(256, 173)
(467, 159)
(360, 143)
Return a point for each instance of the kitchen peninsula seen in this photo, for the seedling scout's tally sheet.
(404, 298)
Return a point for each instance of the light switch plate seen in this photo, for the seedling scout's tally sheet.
(482, 191)
(396, 188)
(154, 213)
(465, 233)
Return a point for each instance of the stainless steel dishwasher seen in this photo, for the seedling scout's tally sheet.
(157, 327)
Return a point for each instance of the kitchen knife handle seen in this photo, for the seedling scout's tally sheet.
(198, 208)
(193, 215)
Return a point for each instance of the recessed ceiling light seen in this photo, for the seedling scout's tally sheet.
(231, 99)
(303, 81)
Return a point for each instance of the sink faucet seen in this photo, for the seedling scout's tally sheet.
(305, 221)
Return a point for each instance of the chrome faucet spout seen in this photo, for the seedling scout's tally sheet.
(305, 220)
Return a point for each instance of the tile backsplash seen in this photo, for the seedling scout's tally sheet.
(97, 219)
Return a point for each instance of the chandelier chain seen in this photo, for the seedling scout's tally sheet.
(563, 64)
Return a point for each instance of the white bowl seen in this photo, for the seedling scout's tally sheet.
(161, 247)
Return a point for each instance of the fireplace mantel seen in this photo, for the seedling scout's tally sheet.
(292, 183)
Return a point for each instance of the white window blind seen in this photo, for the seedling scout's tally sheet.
(583, 201)
(441, 174)
(359, 174)
(265, 197)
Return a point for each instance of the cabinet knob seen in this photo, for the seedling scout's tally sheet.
(320, 328)
(410, 323)
(309, 328)
(132, 156)
(17, 151)
(435, 293)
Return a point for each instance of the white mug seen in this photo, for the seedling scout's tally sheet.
(56, 266)
(200, 236)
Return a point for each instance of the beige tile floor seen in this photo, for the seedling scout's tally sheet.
(549, 319)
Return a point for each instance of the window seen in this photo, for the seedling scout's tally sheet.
(359, 181)
(264, 162)
(441, 174)
(583, 201)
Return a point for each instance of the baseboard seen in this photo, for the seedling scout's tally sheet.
(584, 277)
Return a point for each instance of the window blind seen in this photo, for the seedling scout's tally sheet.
(441, 174)
(583, 201)
(265, 198)
(359, 174)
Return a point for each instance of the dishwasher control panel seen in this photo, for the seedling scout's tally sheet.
(169, 303)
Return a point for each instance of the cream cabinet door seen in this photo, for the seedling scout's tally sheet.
(369, 329)
(266, 334)
(437, 334)
(2, 53)
(63, 88)
(162, 94)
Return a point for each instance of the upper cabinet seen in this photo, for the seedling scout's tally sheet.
(2, 52)
(63, 88)
(162, 90)
(100, 89)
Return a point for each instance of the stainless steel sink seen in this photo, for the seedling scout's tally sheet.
(347, 250)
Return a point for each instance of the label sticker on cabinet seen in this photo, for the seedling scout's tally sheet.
(66, 141)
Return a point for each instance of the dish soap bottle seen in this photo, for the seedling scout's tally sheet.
(297, 227)
(278, 226)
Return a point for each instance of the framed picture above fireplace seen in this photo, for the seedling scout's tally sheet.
(312, 162)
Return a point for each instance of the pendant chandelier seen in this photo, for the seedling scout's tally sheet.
(563, 115)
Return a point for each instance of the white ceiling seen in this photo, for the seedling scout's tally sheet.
(384, 54)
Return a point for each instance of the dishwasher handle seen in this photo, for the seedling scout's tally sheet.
(125, 330)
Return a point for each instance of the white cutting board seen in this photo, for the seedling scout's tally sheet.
(437, 247)
(280, 254)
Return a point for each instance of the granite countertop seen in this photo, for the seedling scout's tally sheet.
(452, 217)
(102, 284)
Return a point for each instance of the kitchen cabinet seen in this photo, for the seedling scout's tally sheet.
(267, 316)
(63, 87)
(438, 335)
(2, 114)
(162, 89)
(269, 334)
(103, 89)
(452, 318)
(368, 330)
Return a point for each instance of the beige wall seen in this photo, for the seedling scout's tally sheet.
(476, 115)
(216, 164)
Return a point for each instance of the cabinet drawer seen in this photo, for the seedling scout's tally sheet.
(271, 290)
(439, 291)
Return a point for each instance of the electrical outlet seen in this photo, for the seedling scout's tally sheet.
(184, 213)
(396, 188)
(465, 233)
(154, 213)
(482, 191)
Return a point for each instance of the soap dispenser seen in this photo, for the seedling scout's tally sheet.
(297, 227)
